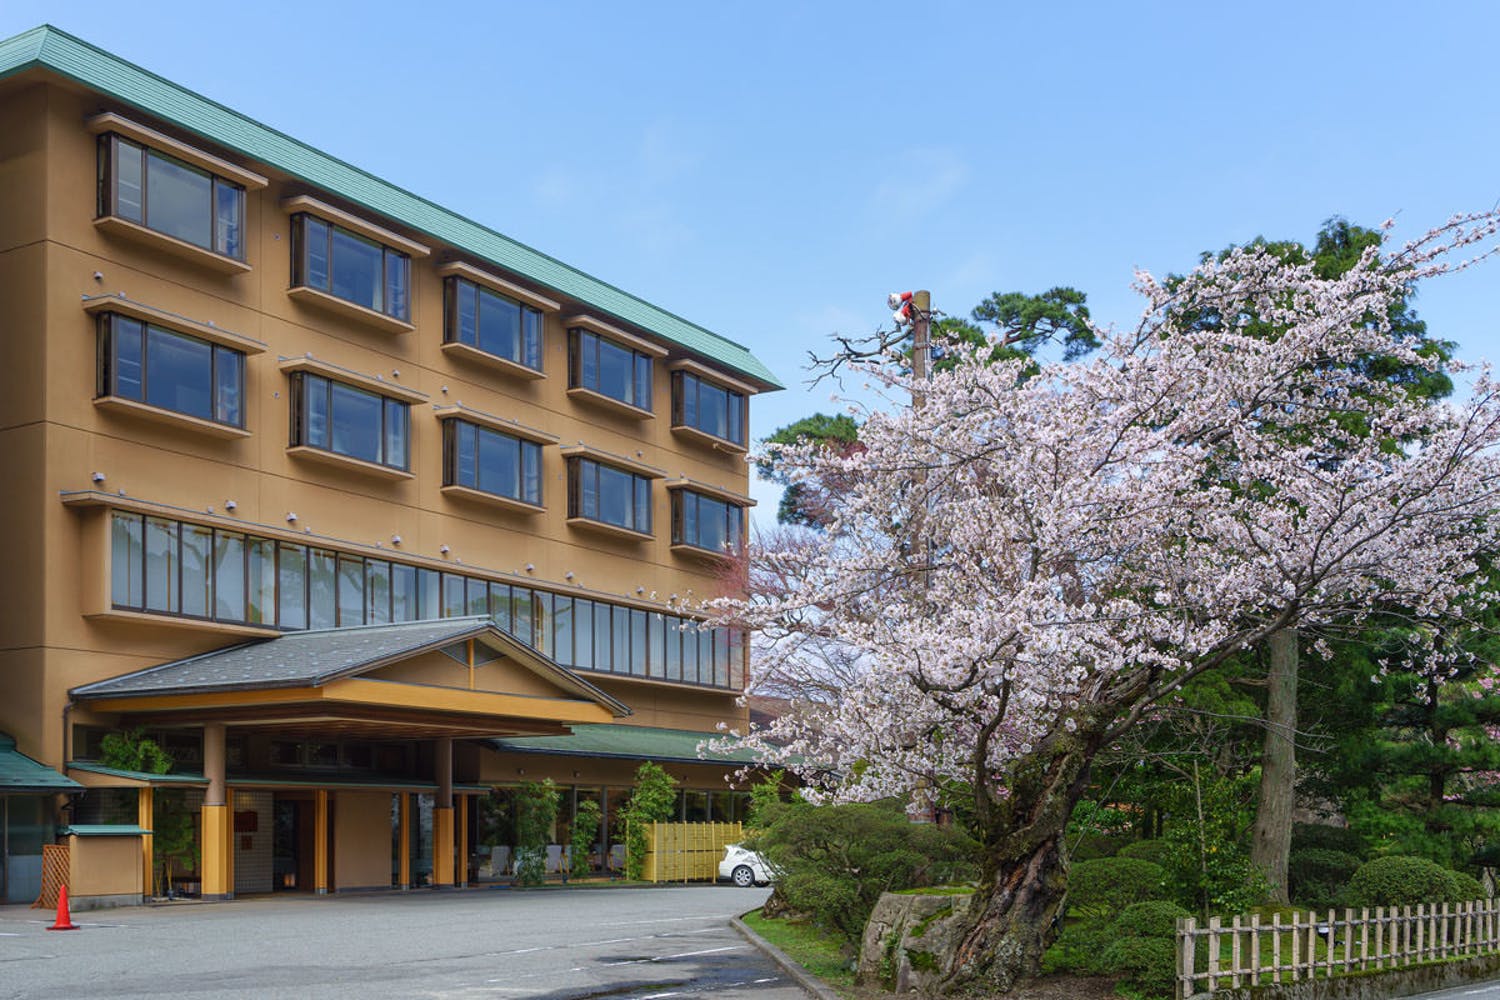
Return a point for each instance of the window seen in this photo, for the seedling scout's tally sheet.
(347, 421)
(707, 523)
(707, 407)
(609, 495)
(608, 368)
(170, 370)
(163, 193)
(348, 266)
(493, 323)
(492, 462)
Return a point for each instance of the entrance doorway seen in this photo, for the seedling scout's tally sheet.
(292, 844)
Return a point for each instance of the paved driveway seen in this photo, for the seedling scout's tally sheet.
(537, 945)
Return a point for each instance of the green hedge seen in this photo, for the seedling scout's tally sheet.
(1154, 851)
(1316, 876)
(1101, 889)
(1405, 881)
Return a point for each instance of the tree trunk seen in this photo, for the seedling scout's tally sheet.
(1278, 770)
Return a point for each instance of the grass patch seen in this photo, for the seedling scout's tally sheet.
(818, 952)
(937, 890)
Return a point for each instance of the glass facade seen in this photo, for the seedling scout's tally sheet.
(348, 421)
(170, 370)
(492, 462)
(354, 268)
(494, 323)
(171, 567)
(169, 196)
(705, 522)
(611, 496)
(708, 407)
(608, 368)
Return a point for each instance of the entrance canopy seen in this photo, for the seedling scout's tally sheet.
(459, 677)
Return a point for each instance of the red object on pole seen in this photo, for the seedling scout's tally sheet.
(64, 919)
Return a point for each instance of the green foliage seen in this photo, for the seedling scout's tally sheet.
(1316, 875)
(536, 812)
(1020, 324)
(654, 800)
(798, 503)
(765, 795)
(1080, 948)
(1103, 888)
(1153, 918)
(1144, 963)
(584, 833)
(1405, 881)
(835, 861)
(1154, 851)
(133, 750)
(1096, 831)
(1329, 838)
(1208, 858)
(174, 829)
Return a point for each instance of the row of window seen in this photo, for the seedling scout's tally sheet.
(176, 568)
(187, 203)
(173, 371)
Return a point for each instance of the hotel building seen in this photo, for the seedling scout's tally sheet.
(364, 512)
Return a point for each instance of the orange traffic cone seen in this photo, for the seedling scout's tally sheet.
(64, 919)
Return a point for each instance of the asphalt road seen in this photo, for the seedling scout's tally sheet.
(1473, 991)
(551, 944)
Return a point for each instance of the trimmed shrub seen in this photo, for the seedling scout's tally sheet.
(1080, 948)
(1093, 846)
(1155, 918)
(1101, 889)
(1316, 875)
(1405, 881)
(1463, 887)
(1306, 836)
(1145, 963)
(1154, 851)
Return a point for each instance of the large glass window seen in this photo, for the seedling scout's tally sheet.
(344, 264)
(492, 462)
(707, 407)
(170, 370)
(609, 495)
(174, 198)
(494, 323)
(340, 418)
(608, 368)
(705, 522)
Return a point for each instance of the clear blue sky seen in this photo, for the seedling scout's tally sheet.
(771, 171)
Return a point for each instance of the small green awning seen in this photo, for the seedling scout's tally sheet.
(19, 774)
(103, 830)
(628, 743)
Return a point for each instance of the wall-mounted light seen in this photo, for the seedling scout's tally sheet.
(639, 591)
(520, 770)
(291, 516)
(531, 567)
(97, 477)
(444, 549)
(230, 505)
(98, 275)
(568, 575)
(395, 539)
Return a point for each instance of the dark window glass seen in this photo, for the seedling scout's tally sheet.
(609, 368)
(453, 595)
(340, 418)
(705, 522)
(351, 591)
(344, 264)
(583, 634)
(130, 175)
(179, 200)
(170, 370)
(229, 576)
(619, 650)
(494, 323)
(638, 638)
(493, 462)
(377, 592)
(322, 589)
(656, 651)
(707, 407)
(291, 593)
(127, 566)
(429, 594)
(562, 628)
(478, 597)
(174, 198)
(612, 496)
(500, 607)
(521, 614)
(403, 593)
(197, 581)
(673, 639)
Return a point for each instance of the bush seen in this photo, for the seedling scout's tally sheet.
(1147, 964)
(835, 861)
(1080, 948)
(1317, 875)
(1154, 851)
(1155, 918)
(653, 800)
(1404, 881)
(1101, 889)
(1321, 836)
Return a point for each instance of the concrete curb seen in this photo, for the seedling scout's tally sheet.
(812, 984)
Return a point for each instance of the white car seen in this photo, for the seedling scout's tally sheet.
(744, 868)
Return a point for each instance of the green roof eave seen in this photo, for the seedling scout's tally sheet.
(103, 830)
(19, 774)
(59, 52)
(626, 743)
(145, 777)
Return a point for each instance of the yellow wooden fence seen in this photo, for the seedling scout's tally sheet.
(688, 852)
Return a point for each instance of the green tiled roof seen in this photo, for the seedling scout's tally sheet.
(145, 776)
(99, 70)
(629, 742)
(103, 830)
(19, 773)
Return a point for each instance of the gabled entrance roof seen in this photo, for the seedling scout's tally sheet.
(20, 774)
(352, 679)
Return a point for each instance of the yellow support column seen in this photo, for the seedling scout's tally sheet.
(463, 841)
(229, 842)
(320, 843)
(148, 843)
(214, 836)
(405, 801)
(442, 845)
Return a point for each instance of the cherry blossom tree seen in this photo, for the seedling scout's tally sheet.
(1024, 563)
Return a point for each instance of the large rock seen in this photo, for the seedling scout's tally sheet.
(906, 938)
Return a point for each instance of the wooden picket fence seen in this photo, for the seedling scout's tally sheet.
(1248, 952)
(688, 852)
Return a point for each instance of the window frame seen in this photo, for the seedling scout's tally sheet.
(680, 517)
(300, 245)
(455, 285)
(299, 412)
(107, 203)
(685, 383)
(579, 469)
(582, 341)
(455, 427)
(106, 384)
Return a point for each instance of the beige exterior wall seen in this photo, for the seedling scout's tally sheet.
(362, 840)
(52, 256)
(104, 866)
